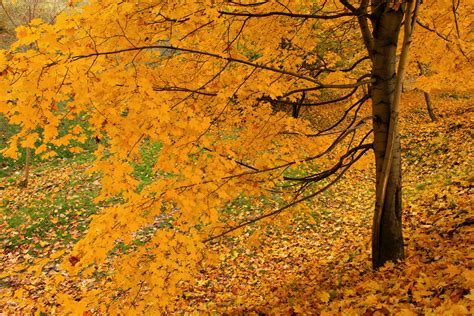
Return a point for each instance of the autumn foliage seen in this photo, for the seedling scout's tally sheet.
(252, 109)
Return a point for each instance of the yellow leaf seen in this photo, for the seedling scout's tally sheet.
(49, 155)
(324, 297)
(459, 309)
(452, 270)
(36, 22)
(40, 149)
(19, 293)
(371, 299)
(11, 152)
(76, 149)
(3, 61)
(30, 140)
(470, 295)
(407, 312)
(76, 129)
(469, 276)
(21, 32)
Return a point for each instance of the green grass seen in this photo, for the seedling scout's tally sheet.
(48, 221)
(55, 219)
(143, 171)
(61, 216)
(421, 186)
(455, 96)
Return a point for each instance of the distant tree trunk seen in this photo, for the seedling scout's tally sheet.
(429, 107)
(24, 183)
(387, 239)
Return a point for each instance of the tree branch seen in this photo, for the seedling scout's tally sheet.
(326, 173)
(287, 14)
(364, 27)
(310, 104)
(182, 89)
(426, 27)
(308, 197)
(194, 51)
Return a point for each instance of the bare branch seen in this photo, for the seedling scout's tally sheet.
(454, 7)
(327, 173)
(357, 104)
(291, 15)
(426, 27)
(312, 103)
(247, 4)
(306, 198)
(349, 6)
(194, 51)
(364, 27)
(238, 34)
(182, 89)
(8, 14)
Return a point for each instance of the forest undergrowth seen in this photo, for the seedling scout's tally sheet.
(318, 265)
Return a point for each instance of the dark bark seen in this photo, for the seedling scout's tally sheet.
(297, 106)
(429, 107)
(387, 245)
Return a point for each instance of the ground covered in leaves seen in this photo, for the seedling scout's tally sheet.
(310, 267)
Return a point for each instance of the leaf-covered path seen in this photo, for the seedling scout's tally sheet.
(316, 265)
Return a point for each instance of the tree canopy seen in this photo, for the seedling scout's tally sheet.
(227, 90)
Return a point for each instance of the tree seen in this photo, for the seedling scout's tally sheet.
(21, 12)
(443, 25)
(13, 14)
(207, 80)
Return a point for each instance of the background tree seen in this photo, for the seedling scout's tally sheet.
(21, 12)
(14, 14)
(443, 27)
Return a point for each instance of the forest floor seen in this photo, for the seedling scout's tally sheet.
(321, 267)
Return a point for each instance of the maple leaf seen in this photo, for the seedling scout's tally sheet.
(324, 297)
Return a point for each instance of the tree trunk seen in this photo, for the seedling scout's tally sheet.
(387, 241)
(24, 183)
(429, 107)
